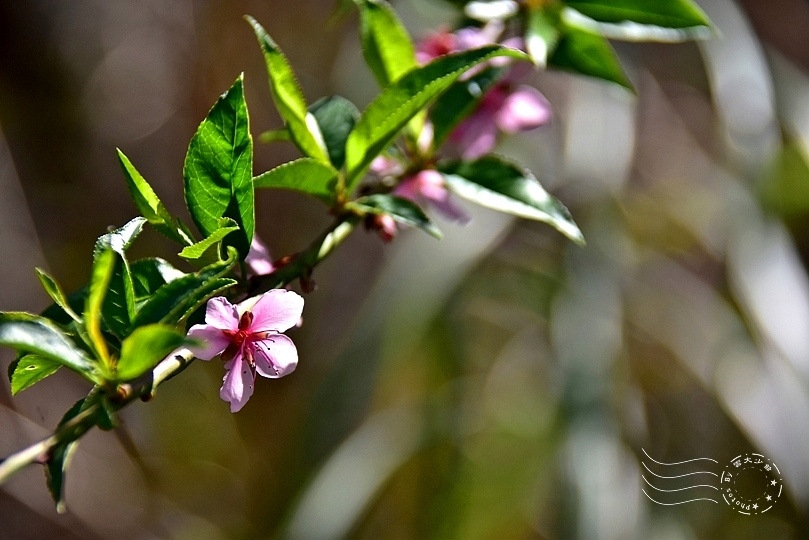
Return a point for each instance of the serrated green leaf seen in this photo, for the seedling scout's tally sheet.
(218, 169)
(118, 307)
(305, 175)
(288, 97)
(400, 209)
(176, 300)
(209, 249)
(55, 292)
(144, 348)
(459, 101)
(386, 44)
(149, 204)
(541, 35)
(150, 274)
(398, 103)
(587, 53)
(336, 117)
(505, 186)
(120, 239)
(662, 13)
(75, 301)
(29, 370)
(33, 334)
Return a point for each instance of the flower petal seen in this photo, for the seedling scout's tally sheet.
(523, 109)
(213, 341)
(238, 383)
(275, 356)
(258, 259)
(276, 310)
(221, 314)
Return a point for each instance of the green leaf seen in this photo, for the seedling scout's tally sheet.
(457, 103)
(398, 103)
(59, 460)
(495, 183)
(33, 334)
(219, 169)
(118, 306)
(150, 274)
(75, 301)
(144, 348)
(588, 53)
(662, 13)
(176, 300)
(305, 175)
(29, 370)
(275, 135)
(120, 239)
(386, 44)
(541, 35)
(148, 203)
(400, 209)
(209, 249)
(336, 117)
(55, 292)
(103, 270)
(288, 97)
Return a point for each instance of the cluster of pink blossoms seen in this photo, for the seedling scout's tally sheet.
(506, 108)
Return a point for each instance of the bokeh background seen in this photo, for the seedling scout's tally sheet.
(501, 383)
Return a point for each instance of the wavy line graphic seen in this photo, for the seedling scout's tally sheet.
(669, 489)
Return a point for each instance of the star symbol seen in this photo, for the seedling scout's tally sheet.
(772, 482)
(769, 498)
(755, 506)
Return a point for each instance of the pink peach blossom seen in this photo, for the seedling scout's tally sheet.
(248, 338)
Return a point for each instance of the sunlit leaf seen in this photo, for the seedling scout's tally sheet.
(386, 45)
(305, 175)
(55, 292)
(662, 13)
(541, 35)
(29, 370)
(499, 184)
(588, 53)
(288, 96)
(218, 169)
(148, 203)
(398, 103)
(144, 348)
(33, 334)
(400, 209)
(209, 249)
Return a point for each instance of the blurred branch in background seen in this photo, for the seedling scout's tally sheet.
(499, 383)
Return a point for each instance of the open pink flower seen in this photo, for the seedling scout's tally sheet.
(248, 336)
(427, 188)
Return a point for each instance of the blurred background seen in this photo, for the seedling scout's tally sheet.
(499, 383)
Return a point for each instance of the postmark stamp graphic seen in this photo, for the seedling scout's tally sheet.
(751, 484)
